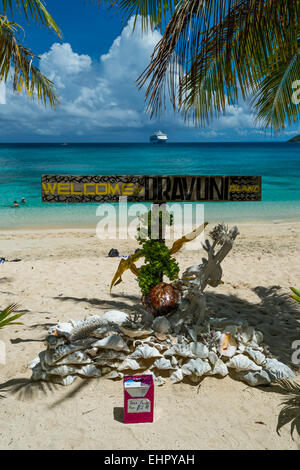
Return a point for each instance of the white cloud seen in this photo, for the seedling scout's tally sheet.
(99, 100)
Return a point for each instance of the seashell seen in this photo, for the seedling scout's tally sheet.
(256, 378)
(60, 352)
(52, 341)
(130, 364)
(111, 342)
(227, 345)
(196, 367)
(159, 381)
(115, 316)
(92, 352)
(219, 368)
(78, 357)
(135, 333)
(278, 370)
(104, 331)
(174, 361)
(163, 364)
(160, 336)
(246, 334)
(89, 370)
(110, 355)
(62, 370)
(176, 376)
(114, 374)
(199, 350)
(212, 357)
(38, 373)
(180, 349)
(161, 299)
(68, 380)
(61, 329)
(144, 351)
(34, 362)
(104, 362)
(258, 337)
(161, 325)
(241, 362)
(257, 356)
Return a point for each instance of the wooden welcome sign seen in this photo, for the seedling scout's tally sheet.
(160, 189)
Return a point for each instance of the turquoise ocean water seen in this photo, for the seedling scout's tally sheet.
(21, 167)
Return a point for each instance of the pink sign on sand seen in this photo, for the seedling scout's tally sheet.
(138, 399)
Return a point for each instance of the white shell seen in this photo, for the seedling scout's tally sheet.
(278, 370)
(180, 349)
(110, 355)
(257, 356)
(77, 357)
(242, 362)
(144, 351)
(161, 325)
(68, 380)
(130, 364)
(163, 364)
(212, 357)
(219, 368)
(199, 350)
(89, 371)
(115, 316)
(111, 342)
(104, 331)
(34, 362)
(196, 367)
(61, 329)
(59, 353)
(114, 375)
(135, 333)
(227, 345)
(176, 376)
(256, 378)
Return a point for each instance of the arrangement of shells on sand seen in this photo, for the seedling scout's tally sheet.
(184, 344)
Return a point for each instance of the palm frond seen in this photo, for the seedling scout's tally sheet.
(152, 12)
(34, 9)
(26, 75)
(211, 49)
(6, 317)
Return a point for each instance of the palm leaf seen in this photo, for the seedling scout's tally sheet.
(6, 319)
(34, 9)
(210, 49)
(178, 244)
(26, 75)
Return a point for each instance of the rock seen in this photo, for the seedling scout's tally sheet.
(113, 253)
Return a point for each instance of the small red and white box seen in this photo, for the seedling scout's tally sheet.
(138, 399)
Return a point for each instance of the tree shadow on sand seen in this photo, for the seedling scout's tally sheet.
(26, 389)
(107, 304)
(276, 315)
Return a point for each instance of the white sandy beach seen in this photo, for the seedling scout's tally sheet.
(66, 274)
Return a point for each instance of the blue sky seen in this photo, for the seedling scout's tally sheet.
(94, 67)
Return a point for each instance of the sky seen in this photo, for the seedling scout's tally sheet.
(94, 67)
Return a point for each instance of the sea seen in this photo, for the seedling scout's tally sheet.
(21, 167)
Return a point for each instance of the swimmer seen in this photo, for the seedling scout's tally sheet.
(16, 204)
(23, 200)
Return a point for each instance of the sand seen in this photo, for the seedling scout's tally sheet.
(66, 274)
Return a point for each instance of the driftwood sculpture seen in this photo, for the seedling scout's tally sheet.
(196, 278)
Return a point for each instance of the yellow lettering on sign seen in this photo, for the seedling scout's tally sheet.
(103, 192)
(127, 189)
(85, 190)
(77, 193)
(49, 188)
(63, 189)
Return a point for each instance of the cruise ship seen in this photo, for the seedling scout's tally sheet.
(158, 138)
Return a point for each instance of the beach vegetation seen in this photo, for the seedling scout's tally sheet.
(7, 317)
(18, 59)
(296, 295)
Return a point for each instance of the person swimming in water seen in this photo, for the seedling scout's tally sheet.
(23, 200)
(16, 204)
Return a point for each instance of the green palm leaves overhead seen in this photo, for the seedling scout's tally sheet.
(296, 295)
(212, 51)
(19, 60)
(7, 317)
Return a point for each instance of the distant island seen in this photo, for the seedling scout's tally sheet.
(295, 139)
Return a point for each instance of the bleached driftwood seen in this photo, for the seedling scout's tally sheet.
(196, 278)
